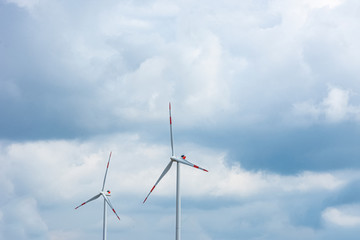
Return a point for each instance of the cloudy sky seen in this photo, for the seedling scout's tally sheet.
(265, 94)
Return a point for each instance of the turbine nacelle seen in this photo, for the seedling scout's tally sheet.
(107, 193)
(176, 159)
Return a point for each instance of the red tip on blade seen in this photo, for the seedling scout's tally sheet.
(195, 166)
(79, 206)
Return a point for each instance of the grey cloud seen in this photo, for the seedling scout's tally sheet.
(285, 150)
(129, 62)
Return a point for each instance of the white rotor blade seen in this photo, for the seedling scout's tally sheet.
(171, 134)
(161, 176)
(112, 208)
(91, 199)
(107, 167)
(186, 162)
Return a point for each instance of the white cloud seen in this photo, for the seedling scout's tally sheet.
(343, 216)
(61, 235)
(336, 105)
(51, 168)
(237, 181)
(334, 108)
(22, 219)
(58, 174)
(324, 3)
(28, 4)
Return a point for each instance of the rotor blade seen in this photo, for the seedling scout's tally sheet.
(112, 208)
(186, 162)
(107, 167)
(93, 198)
(171, 134)
(161, 176)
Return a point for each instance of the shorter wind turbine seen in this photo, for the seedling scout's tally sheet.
(106, 200)
(181, 160)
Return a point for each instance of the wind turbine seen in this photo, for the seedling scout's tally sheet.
(178, 161)
(105, 195)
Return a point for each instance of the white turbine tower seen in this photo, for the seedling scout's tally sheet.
(106, 200)
(181, 160)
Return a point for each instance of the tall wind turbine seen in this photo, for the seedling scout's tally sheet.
(105, 195)
(178, 161)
